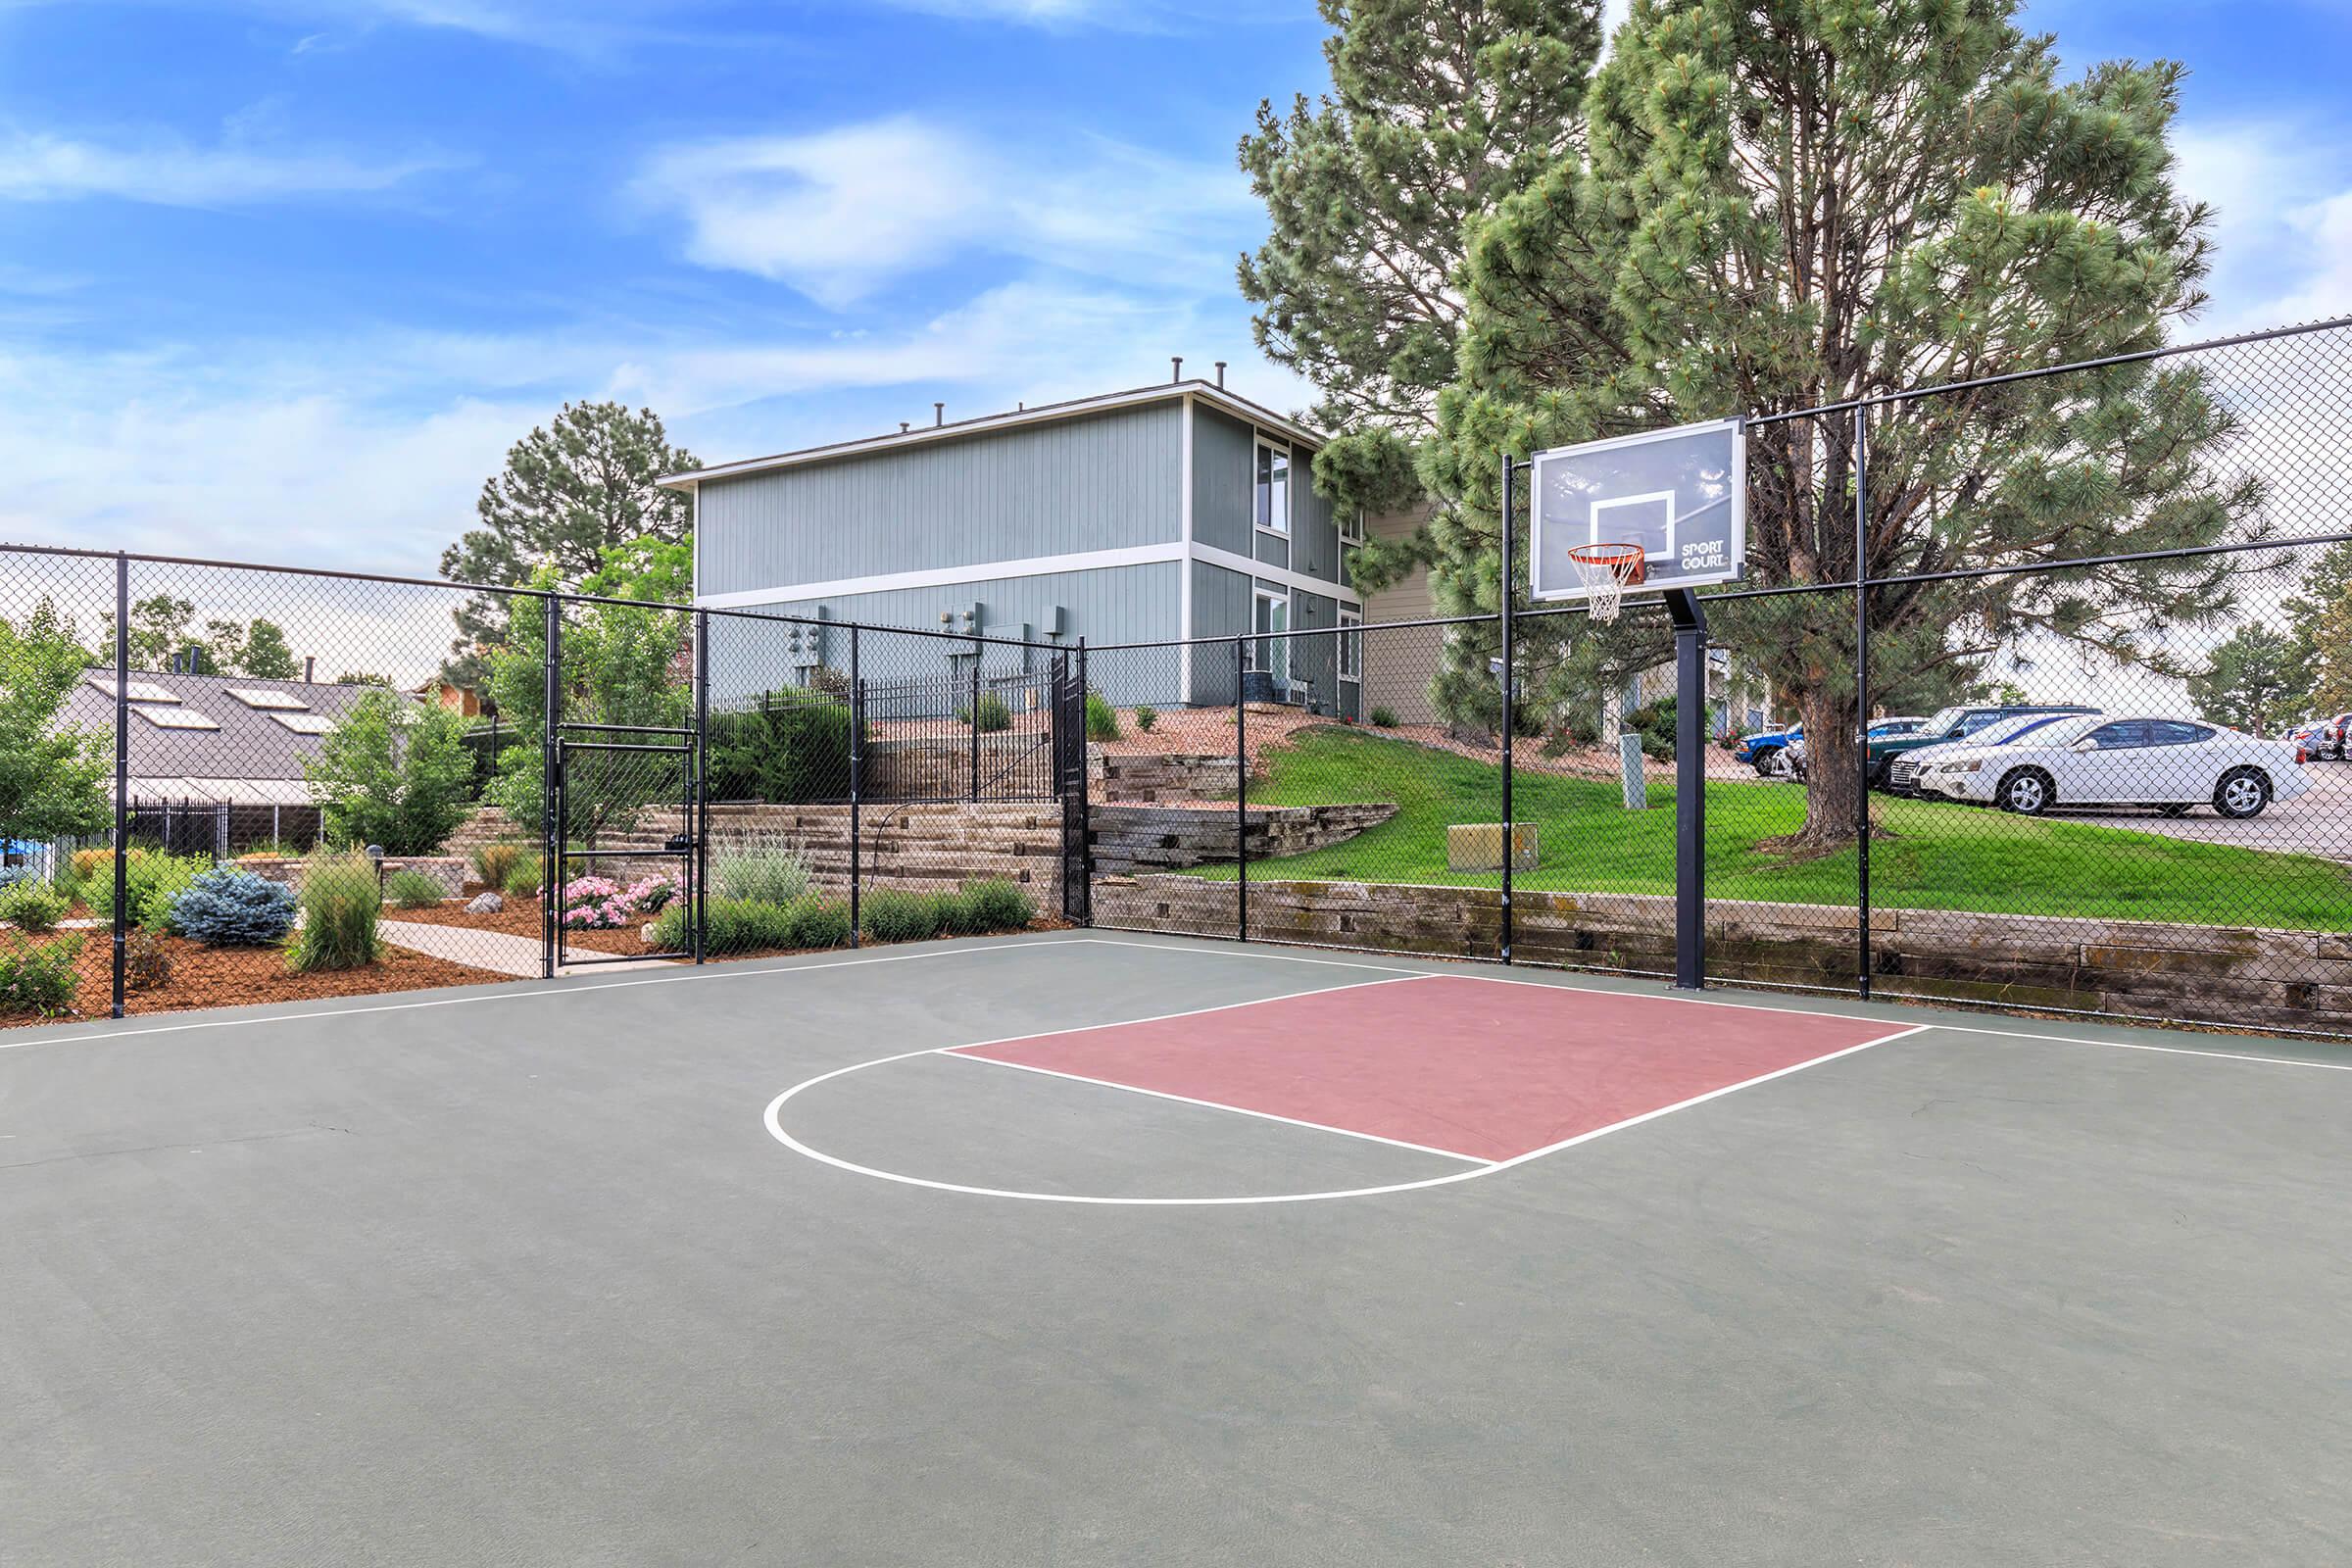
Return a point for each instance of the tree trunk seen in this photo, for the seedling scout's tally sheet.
(1832, 776)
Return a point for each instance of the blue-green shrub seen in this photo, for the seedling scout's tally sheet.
(226, 908)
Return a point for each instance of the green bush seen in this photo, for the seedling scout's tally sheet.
(526, 876)
(791, 746)
(1383, 718)
(765, 867)
(1655, 724)
(340, 903)
(994, 715)
(226, 907)
(890, 915)
(493, 863)
(411, 890)
(41, 978)
(1101, 719)
(153, 880)
(819, 923)
(32, 905)
(992, 904)
(1146, 717)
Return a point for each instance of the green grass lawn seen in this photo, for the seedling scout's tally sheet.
(1936, 856)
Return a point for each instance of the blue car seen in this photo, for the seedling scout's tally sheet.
(1767, 751)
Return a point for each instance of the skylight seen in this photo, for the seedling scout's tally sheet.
(305, 724)
(252, 698)
(171, 718)
(142, 691)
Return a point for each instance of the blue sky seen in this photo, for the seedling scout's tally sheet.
(284, 278)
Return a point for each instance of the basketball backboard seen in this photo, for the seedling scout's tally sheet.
(1680, 494)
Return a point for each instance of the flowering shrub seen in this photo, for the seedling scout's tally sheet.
(600, 904)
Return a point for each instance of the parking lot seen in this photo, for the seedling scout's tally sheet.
(2318, 821)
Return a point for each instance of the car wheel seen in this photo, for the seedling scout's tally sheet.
(2027, 791)
(2242, 792)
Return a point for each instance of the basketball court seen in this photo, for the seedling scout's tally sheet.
(1082, 1248)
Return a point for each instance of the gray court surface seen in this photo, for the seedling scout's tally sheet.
(524, 1276)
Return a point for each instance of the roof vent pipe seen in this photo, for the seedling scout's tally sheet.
(1221, 375)
(309, 669)
(905, 426)
(939, 414)
(1176, 367)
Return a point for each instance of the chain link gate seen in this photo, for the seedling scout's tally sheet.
(604, 782)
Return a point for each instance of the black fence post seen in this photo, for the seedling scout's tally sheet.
(1510, 716)
(699, 823)
(1690, 789)
(121, 772)
(1862, 954)
(977, 647)
(1086, 804)
(856, 774)
(551, 787)
(1240, 791)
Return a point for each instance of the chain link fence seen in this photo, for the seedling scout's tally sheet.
(1954, 749)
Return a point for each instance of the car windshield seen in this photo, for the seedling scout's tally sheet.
(1942, 719)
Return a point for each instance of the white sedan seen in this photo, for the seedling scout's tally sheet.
(2099, 759)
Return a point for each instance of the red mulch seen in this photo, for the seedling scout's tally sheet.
(240, 977)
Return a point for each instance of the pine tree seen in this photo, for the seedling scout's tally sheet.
(1805, 201)
(571, 492)
(2255, 681)
(1438, 110)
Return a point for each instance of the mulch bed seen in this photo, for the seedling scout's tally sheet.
(240, 977)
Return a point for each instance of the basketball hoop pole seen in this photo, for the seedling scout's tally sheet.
(1510, 833)
(1690, 789)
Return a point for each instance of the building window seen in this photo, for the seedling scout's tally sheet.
(1351, 645)
(1273, 487)
(1351, 528)
(1270, 617)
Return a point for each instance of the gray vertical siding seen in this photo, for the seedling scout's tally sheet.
(1220, 609)
(1097, 482)
(1222, 480)
(1118, 604)
(1224, 491)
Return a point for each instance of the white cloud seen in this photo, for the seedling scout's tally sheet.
(167, 171)
(839, 213)
(2283, 222)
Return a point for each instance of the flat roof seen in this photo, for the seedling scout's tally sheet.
(1208, 392)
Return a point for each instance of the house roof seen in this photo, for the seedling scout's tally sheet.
(1214, 396)
(215, 737)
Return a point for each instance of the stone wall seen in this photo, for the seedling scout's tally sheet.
(1153, 838)
(2208, 974)
(1164, 779)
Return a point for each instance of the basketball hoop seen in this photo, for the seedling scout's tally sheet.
(1607, 571)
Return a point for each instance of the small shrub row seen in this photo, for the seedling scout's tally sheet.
(890, 915)
(410, 889)
(748, 925)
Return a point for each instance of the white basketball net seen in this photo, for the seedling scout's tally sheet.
(1605, 570)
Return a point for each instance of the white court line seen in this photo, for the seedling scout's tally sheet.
(776, 1127)
(1753, 1007)
(1217, 1104)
